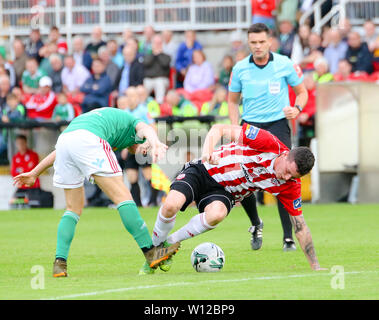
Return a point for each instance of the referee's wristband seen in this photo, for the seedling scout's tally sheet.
(298, 107)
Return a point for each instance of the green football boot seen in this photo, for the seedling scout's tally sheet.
(146, 269)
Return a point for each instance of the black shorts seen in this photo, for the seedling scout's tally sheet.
(279, 128)
(197, 185)
(132, 163)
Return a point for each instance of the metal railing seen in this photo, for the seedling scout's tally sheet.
(357, 11)
(80, 16)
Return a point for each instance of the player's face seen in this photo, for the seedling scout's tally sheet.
(21, 145)
(286, 169)
(259, 44)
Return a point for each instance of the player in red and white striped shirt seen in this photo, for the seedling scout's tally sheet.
(247, 165)
(254, 160)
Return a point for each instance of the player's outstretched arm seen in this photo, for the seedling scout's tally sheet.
(214, 136)
(30, 177)
(158, 149)
(303, 235)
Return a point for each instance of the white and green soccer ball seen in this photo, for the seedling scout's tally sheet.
(207, 257)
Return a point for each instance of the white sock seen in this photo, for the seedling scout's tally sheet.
(162, 228)
(197, 225)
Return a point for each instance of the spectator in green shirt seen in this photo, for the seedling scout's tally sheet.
(63, 111)
(179, 105)
(31, 76)
(321, 73)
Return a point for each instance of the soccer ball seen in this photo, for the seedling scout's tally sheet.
(207, 257)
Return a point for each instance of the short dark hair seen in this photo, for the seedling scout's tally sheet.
(32, 59)
(258, 28)
(21, 137)
(303, 158)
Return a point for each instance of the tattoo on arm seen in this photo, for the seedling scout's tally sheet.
(304, 237)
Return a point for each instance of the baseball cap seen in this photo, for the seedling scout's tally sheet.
(45, 82)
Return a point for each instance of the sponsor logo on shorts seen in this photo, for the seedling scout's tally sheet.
(98, 163)
(251, 132)
(180, 176)
(297, 203)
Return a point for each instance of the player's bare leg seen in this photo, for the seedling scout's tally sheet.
(66, 229)
(116, 190)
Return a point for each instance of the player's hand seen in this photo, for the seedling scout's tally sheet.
(318, 268)
(211, 159)
(27, 179)
(143, 148)
(158, 151)
(290, 112)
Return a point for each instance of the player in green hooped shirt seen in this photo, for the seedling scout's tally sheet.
(85, 150)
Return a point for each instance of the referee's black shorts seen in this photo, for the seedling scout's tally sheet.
(279, 128)
(197, 185)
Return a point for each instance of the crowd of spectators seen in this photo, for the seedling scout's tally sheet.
(56, 81)
(49, 79)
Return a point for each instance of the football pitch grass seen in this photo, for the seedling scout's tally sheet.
(104, 260)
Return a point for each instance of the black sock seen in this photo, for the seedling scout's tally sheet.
(146, 249)
(250, 206)
(61, 259)
(286, 222)
(136, 194)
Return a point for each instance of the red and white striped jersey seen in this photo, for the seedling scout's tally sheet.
(248, 165)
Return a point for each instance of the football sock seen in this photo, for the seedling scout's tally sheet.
(250, 206)
(194, 227)
(286, 222)
(134, 224)
(66, 231)
(162, 228)
(136, 193)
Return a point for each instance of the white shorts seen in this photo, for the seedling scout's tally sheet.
(81, 154)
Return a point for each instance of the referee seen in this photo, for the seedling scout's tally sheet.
(263, 78)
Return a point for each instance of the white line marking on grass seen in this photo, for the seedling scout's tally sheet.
(176, 284)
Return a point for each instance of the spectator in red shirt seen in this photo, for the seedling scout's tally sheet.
(24, 161)
(262, 12)
(344, 73)
(41, 105)
(55, 37)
